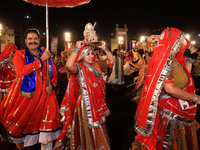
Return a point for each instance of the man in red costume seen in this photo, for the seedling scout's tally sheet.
(29, 112)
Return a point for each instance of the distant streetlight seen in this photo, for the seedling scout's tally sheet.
(67, 40)
(1, 28)
(142, 38)
(121, 39)
(67, 37)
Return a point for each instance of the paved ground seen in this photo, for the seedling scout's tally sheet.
(120, 122)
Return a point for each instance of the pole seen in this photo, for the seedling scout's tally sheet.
(47, 40)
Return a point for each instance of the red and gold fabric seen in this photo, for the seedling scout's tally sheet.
(170, 46)
(23, 114)
(7, 70)
(84, 109)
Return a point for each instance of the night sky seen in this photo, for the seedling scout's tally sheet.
(142, 18)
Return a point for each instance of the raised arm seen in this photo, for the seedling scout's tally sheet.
(71, 60)
(108, 53)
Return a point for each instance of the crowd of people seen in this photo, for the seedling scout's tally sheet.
(61, 97)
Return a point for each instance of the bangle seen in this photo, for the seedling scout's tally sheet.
(195, 99)
(76, 50)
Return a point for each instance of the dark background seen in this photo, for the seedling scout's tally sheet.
(142, 17)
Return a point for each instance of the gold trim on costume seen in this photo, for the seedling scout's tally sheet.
(147, 131)
(50, 120)
(8, 100)
(33, 66)
(27, 95)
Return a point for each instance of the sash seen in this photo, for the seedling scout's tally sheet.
(29, 81)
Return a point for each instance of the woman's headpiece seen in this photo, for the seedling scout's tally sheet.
(8, 49)
(83, 52)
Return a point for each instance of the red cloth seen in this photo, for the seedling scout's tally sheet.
(59, 3)
(7, 76)
(170, 46)
(8, 49)
(96, 96)
(7, 70)
(21, 115)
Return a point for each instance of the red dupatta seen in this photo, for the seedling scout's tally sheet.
(8, 49)
(96, 108)
(169, 45)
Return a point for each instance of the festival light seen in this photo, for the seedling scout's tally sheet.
(67, 40)
(193, 42)
(67, 36)
(187, 36)
(1, 28)
(142, 38)
(121, 39)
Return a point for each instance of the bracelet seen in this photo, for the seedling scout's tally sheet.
(195, 99)
(76, 50)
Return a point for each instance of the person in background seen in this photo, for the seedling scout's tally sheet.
(196, 72)
(127, 67)
(7, 69)
(103, 64)
(165, 116)
(83, 108)
(134, 95)
(148, 55)
(62, 75)
(117, 77)
(29, 112)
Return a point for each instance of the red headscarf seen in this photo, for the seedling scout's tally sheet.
(8, 49)
(95, 98)
(83, 51)
(170, 45)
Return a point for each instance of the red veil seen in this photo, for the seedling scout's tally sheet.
(170, 46)
(95, 105)
(8, 49)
